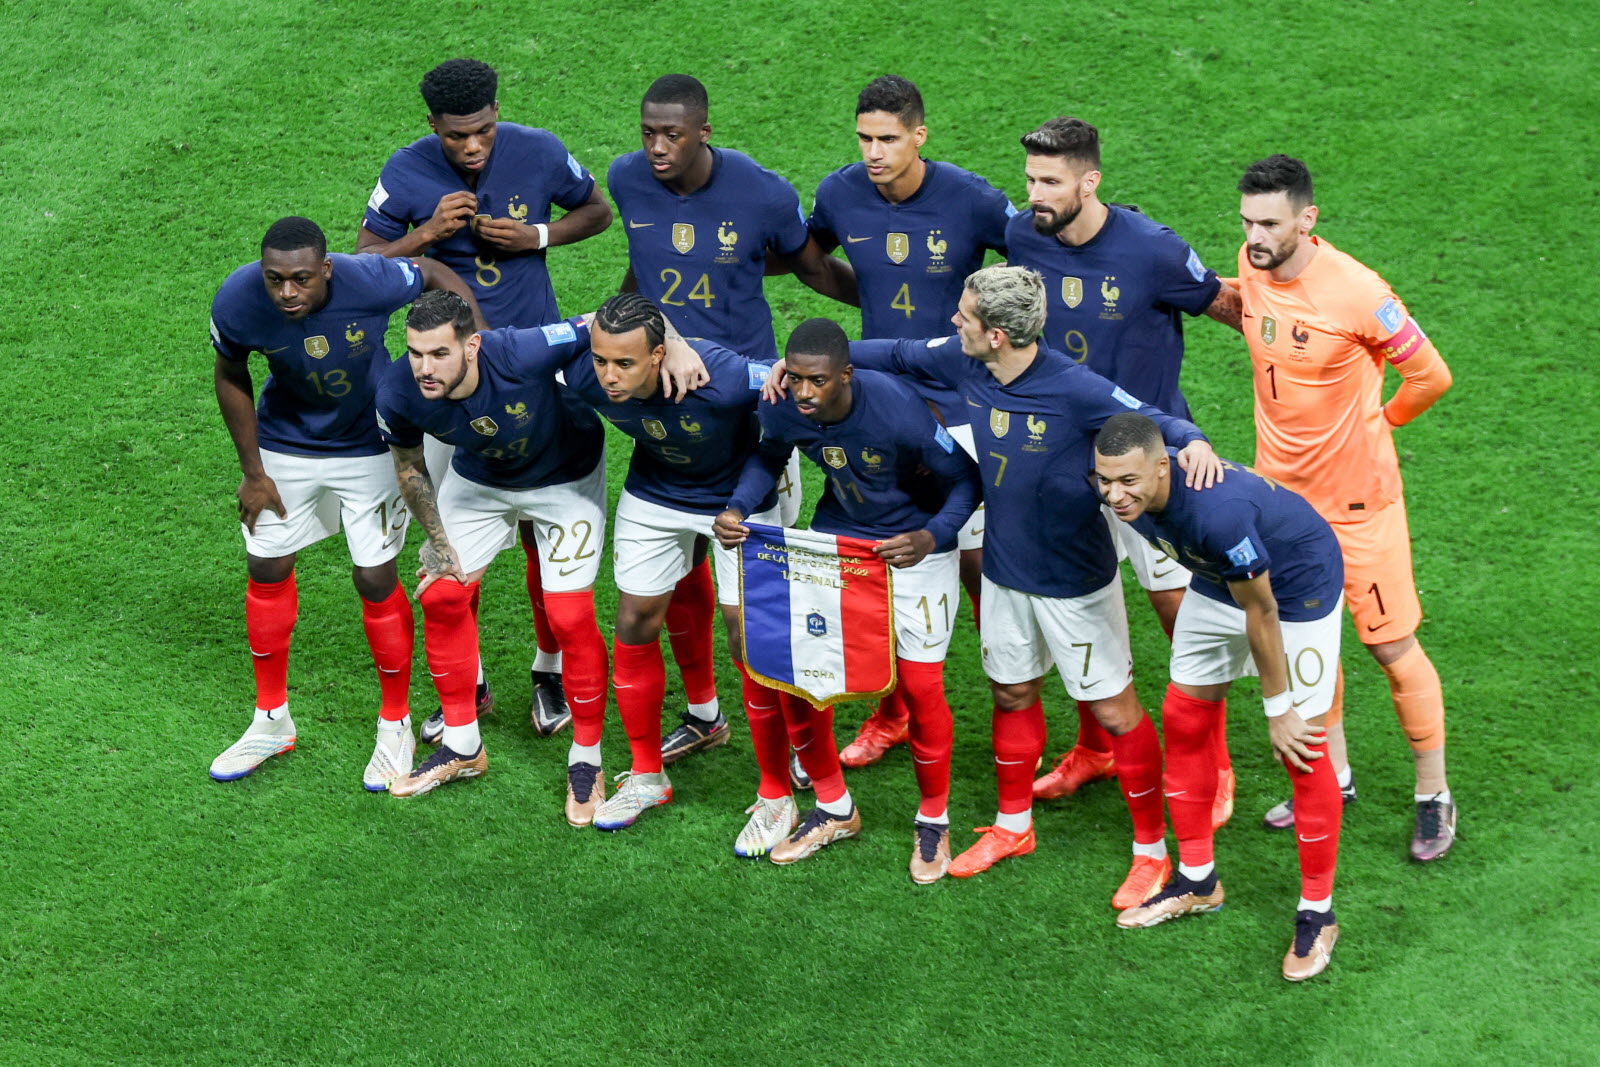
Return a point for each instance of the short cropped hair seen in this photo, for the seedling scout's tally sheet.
(820, 337)
(459, 87)
(440, 307)
(1010, 299)
(679, 89)
(1123, 433)
(1066, 138)
(294, 233)
(893, 95)
(626, 312)
(1278, 174)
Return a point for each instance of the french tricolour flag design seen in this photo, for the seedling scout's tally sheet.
(818, 614)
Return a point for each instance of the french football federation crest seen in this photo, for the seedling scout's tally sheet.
(690, 426)
(519, 411)
(871, 458)
(516, 210)
(727, 238)
(654, 428)
(1072, 291)
(1109, 292)
(1300, 336)
(317, 346)
(834, 456)
(999, 422)
(485, 425)
(935, 246)
(1269, 329)
(683, 236)
(897, 246)
(816, 625)
(1035, 427)
(353, 334)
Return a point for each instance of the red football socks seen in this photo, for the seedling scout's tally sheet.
(1019, 738)
(892, 708)
(1138, 755)
(1191, 773)
(1091, 734)
(768, 735)
(392, 635)
(640, 679)
(689, 628)
(450, 641)
(814, 744)
(270, 610)
(583, 661)
(544, 637)
(932, 730)
(1318, 808)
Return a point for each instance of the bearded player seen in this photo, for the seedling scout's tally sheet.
(312, 462)
(912, 229)
(478, 195)
(1118, 287)
(1321, 327)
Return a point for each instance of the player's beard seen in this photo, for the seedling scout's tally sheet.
(1057, 220)
(1275, 258)
(450, 387)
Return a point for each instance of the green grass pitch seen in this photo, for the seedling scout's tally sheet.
(153, 916)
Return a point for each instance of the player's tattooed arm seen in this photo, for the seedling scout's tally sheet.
(236, 398)
(438, 556)
(682, 371)
(1227, 308)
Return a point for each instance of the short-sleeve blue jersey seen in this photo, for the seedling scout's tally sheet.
(325, 368)
(519, 429)
(528, 170)
(912, 258)
(701, 257)
(1243, 526)
(1113, 302)
(890, 467)
(688, 454)
(1045, 533)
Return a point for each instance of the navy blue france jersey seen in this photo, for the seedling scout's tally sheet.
(687, 455)
(1244, 526)
(1113, 302)
(325, 368)
(912, 258)
(517, 430)
(528, 170)
(701, 257)
(1045, 532)
(891, 468)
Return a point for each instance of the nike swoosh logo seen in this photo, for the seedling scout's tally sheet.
(1162, 574)
(1313, 840)
(676, 633)
(932, 644)
(1179, 793)
(915, 760)
(638, 225)
(570, 570)
(1146, 793)
(274, 351)
(580, 700)
(763, 707)
(440, 674)
(386, 670)
(1009, 763)
(856, 240)
(1378, 627)
(618, 685)
(260, 655)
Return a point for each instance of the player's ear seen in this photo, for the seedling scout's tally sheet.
(658, 354)
(1308, 218)
(920, 135)
(1091, 181)
(433, 124)
(705, 133)
(473, 344)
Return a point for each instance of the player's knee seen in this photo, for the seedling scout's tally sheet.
(270, 571)
(375, 583)
(639, 618)
(572, 616)
(446, 601)
(1014, 696)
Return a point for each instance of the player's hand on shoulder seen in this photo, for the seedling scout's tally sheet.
(907, 549)
(682, 370)
(776, 388)
(1292, 737)
(453, 212)
(729, 528)
(438, 561)
(258, 492)
(1201, 465)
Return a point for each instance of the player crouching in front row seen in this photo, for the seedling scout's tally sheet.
(1265, 597)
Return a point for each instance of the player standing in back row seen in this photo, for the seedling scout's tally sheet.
(477, 195)
(913, 229)
(1320, 326)
(1117, 285)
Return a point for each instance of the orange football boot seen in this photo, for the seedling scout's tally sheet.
(1077, 768)
(1222, 806)
(878, 735)
(995, 845)
(1145, 879)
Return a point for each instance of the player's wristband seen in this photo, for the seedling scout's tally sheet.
(1277, 705)
(544, 233)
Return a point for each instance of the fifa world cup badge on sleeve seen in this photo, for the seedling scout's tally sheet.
(818, 614)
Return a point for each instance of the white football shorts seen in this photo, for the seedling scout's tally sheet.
(926, 600)
(653, 548)
(569, 525)
(1155, 569)
(1024, 634)
(1209, 647)
(321, 492)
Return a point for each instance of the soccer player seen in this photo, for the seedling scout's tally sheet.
(1118, 285)
(913, 229)
(1265, 586)
(312, 460)
(895, 475)
(1320, 327)
(704, 225)
(688, 453)
(1050, 587)
(522, 451)
(477, 194)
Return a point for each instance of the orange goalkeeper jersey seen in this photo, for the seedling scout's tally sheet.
(1317, 346)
